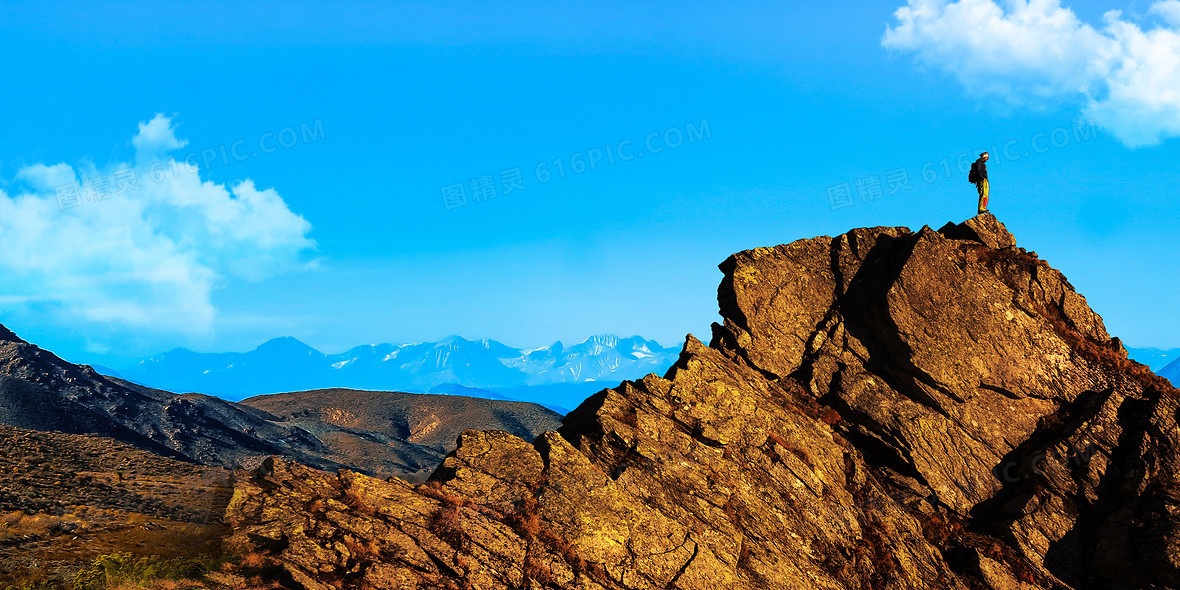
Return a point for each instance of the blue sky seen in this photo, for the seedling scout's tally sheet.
(342, 124)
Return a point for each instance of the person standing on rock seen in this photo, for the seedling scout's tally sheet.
(978, 176)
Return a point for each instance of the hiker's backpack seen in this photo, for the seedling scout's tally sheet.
(972, 177)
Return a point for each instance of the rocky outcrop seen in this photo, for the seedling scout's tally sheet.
(882, 409)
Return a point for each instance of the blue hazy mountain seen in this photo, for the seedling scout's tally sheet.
(1155, 358)
(1171, 372)
(456, 389)
(561, 375)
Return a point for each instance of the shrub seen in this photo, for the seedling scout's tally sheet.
(446, 523)
(537, 571)
(124, 569)
(433, 489)
(18, 523)
(42, 585)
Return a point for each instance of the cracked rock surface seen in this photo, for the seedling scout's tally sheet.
(882, 409)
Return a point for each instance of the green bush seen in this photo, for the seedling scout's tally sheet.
(42, 585)
(118, 569)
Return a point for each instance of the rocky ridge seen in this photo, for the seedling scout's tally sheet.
(40, 391)
(388, 432)
(881, 409)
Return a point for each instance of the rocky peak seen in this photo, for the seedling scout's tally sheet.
(881, 409)
(41, 391)
(22, 360)
(7, 335)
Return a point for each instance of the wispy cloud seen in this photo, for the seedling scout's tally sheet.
(146, 254)
(1125, 73)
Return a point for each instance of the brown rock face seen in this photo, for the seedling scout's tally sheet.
(883, 409)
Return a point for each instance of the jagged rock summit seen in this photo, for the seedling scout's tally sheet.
(881, 409)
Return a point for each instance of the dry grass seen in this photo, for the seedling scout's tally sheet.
(359, 503)
(68, 502)
(1104, 354)
(66, 542)
(875, 554)
(17, 524)
(941, 531)
(536, 571)
(527, 523)
(362, 549)
(433, 489)
(255, 560)
(127, 571)
(447, 524)
(526, 520)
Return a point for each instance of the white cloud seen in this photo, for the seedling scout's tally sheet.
(43, 177)
(1126, 76)
(156, 136)
(149, 258)
(1169, 10)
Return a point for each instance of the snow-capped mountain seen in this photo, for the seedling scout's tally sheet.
(286, 364)
(1155, 358)
(598, 358)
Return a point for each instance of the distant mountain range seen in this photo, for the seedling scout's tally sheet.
(384, 433)
(558, 375)
(1155, 358)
